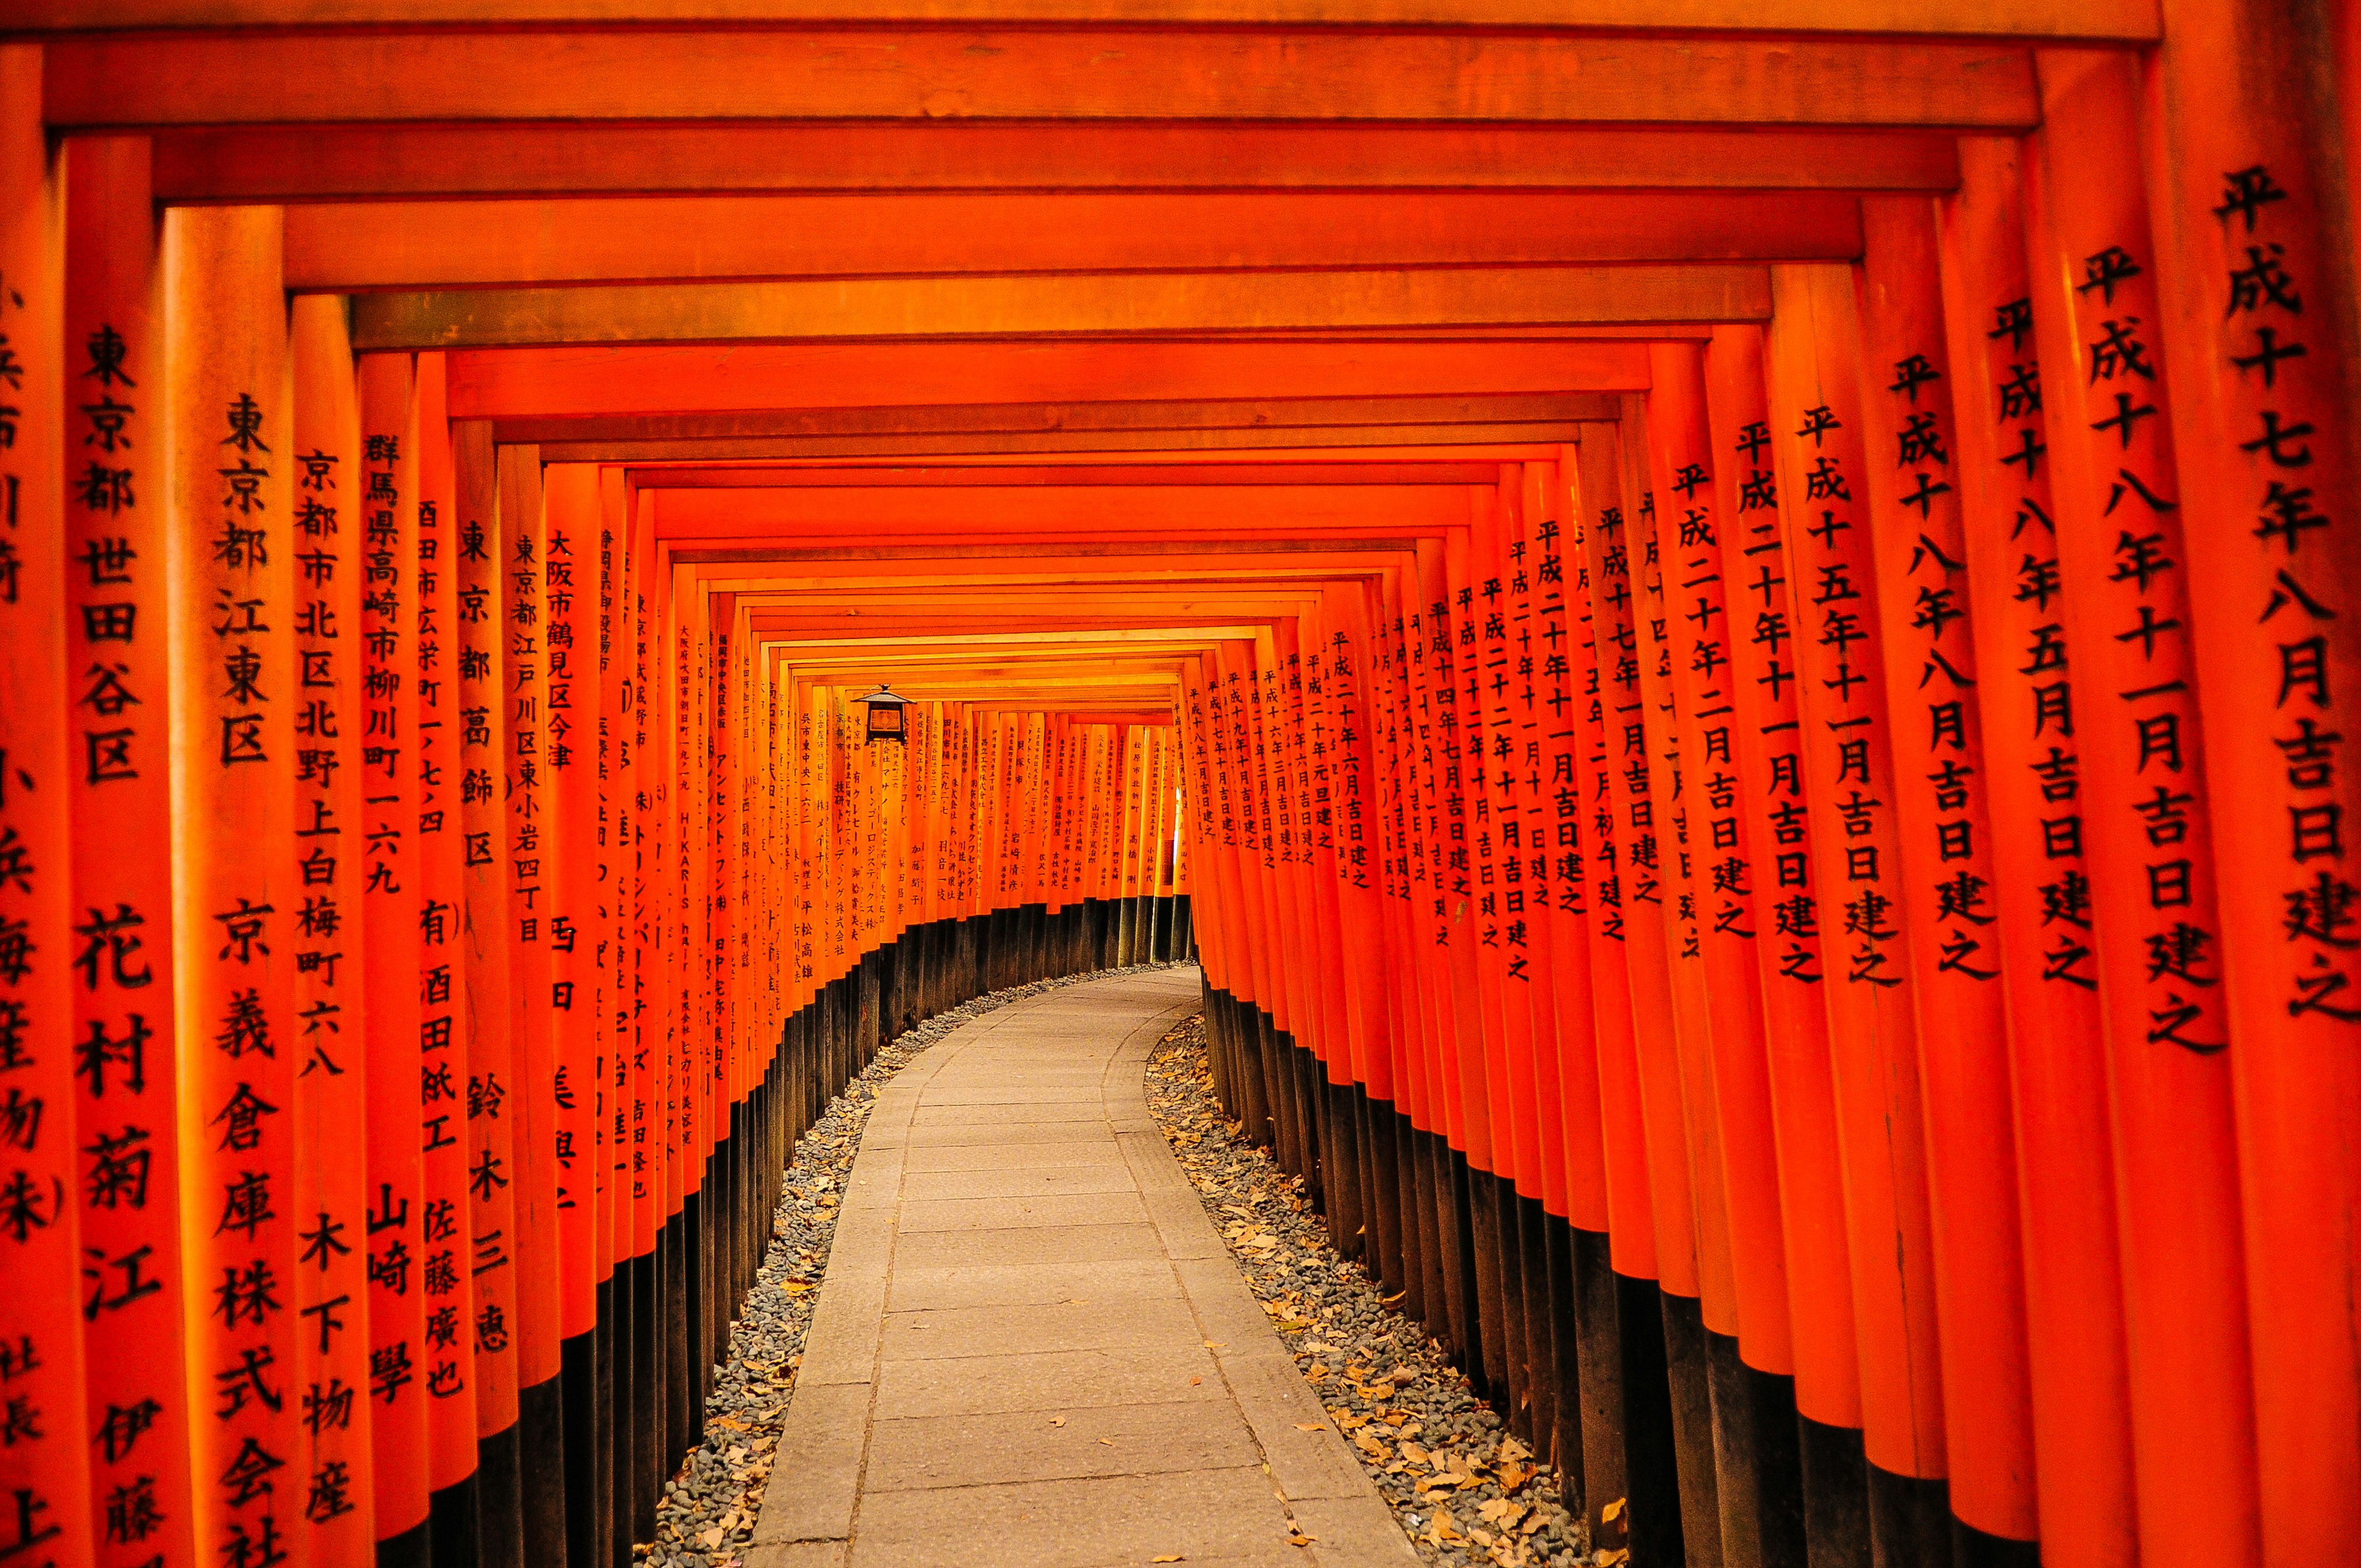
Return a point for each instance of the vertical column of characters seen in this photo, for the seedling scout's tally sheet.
(1347, 802)
(1919, 557)
(2073, 1274)
(691, 642)
(446, 1280)
(1627, 824)
(573, 845)
(526, 857)
(1221, 832)
(125, 1124)
(1283, 736)
(387, 865)
(1201, 731)
(1814, 355)
(1402, 845)
(1760, 632)
(634, 1235)
(2253, 216)
(1315, 845)
(1696, 608)
(1234, 768)
(675, 771)
(1459, 985)
(1660, 841)
(805, 932)
(483, 919)
(2120, 575)
(45, 1467)
(1256, 716)
(1132, 873)
(1595, 518)
(1556, 815)
(231, 453)
(602, 902)
(1178, 840)
(1526, 863)
(331, 987)
(1503, 938)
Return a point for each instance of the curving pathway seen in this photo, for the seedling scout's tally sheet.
(1031, 1349)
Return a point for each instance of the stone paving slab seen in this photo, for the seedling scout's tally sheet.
(1031, 1349)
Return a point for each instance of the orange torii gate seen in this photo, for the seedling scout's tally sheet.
(1777, 871)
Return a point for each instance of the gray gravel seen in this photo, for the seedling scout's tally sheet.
(1463, 1488)
(707, 1513)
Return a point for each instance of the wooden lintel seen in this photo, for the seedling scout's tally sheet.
(1066, 418)
(1290, 439)
(874, 309)
(247, 163)
(385, 246)
(646, 380)
(1121, 475)
(989, 72)
(2053, 21)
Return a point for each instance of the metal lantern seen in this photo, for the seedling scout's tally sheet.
(885, 717)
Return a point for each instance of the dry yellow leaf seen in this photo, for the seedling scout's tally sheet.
(1106, 1442)
(1167, 1557)
(1611, 1512)
(1310, 1426)
(1057, 1420)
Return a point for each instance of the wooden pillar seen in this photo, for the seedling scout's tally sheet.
(2133, 747)
(2074, 1288)
(446, 1278)
(1770, 763)
(46, 1480)
(127, 1117)
(384, 504)
(231, 453)
(1822, 468)
(331, 987)
(1946, 873)
(525, 854)
(2252, 155)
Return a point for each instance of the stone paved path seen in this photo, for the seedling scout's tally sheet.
(1031, 1348)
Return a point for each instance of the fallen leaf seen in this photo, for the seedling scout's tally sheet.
(1057, 1420)
(1611, 1512)
(1311, 1425)
(1106, 1442)
(1167, 1557)
(1217, 1344)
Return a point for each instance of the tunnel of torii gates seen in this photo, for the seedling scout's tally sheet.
(1730, 628)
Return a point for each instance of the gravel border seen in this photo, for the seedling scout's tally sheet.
(1463, 1488)
(707, 1516)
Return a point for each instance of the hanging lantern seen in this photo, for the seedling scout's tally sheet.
(885, 717)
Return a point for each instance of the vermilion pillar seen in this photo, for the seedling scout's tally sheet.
(127, 1117)
(239, 882)
(2073, 1273)
(1946, 870)
(331, 985)
(1817, 426)
(2252, 211)
(45, 1481)
(384, 510)
(2132, 741)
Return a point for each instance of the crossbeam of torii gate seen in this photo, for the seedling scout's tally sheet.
(1187, 401)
